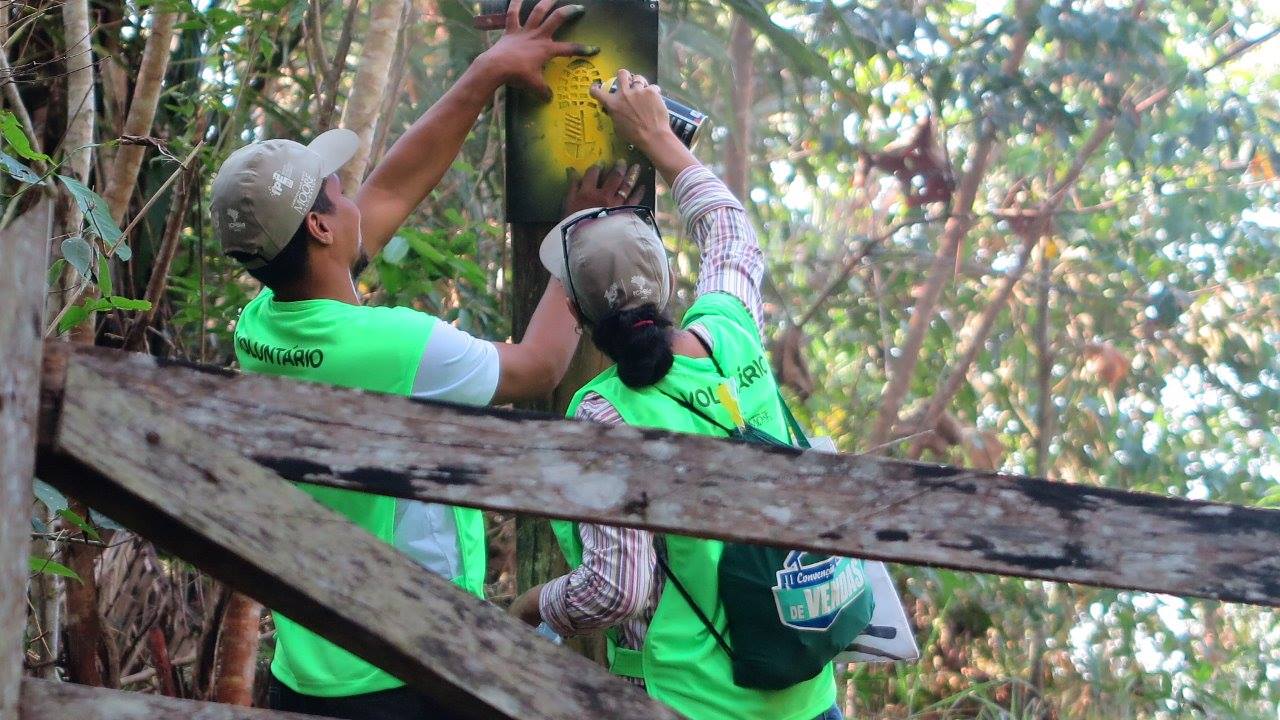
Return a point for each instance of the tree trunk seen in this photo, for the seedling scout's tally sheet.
(362, 110)
(81, 99)
(538, 555)
(1044, 371)
(737, 164)
(84, 622)
(238, 652)
(142, 112)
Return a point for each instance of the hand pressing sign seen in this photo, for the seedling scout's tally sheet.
(601, 186)
(523, 51)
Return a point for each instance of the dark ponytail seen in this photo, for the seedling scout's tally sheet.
(639, 341)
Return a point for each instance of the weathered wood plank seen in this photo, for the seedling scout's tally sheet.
(188, 491)
(895, 511)
(52, 700)
(23, 249)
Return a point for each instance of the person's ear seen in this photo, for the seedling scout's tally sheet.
(573, 310)
(319, 227)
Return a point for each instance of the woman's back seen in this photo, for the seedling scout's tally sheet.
(683, 664)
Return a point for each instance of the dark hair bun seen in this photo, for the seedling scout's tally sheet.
(639, 341)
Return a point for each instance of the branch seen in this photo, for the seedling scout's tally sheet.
(333, 72)
(135, 339)
(943, 266)
(1232, 53)
(851, 264)
(1033, 236)
(142, 114)
(19, 108)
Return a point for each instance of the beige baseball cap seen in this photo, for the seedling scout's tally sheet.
(615, 262)
(264, 190)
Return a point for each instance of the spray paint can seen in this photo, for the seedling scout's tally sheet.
(686, 122)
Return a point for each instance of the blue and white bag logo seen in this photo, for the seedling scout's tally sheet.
(811, 597)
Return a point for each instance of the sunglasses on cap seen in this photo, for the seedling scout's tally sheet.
(639, 211)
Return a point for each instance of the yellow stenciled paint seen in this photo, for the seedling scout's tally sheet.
(575, 131)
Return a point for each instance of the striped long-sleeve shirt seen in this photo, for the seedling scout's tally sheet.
(617, 583)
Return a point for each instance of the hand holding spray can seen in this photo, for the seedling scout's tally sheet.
(686, 122)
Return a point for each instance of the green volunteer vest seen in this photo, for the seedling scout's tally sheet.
(681, 663)
(372, 348)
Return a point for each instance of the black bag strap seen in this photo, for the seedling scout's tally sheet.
(659, 554)
(798, 438)
(696, 411)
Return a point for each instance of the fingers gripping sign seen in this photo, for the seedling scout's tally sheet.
(524, 49)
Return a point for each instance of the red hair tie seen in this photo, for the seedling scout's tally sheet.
(641, 323)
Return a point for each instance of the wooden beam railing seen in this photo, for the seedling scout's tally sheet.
(53, 700)
(196, 494)
(854, 505)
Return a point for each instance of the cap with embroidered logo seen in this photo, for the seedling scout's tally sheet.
(615, 261)
(264, 190)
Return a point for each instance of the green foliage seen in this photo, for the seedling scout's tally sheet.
(13, 134)
(39, 565)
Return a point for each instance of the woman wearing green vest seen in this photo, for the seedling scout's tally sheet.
(613, 266)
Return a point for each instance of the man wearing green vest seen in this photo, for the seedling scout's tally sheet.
(278, 208)
(701, 376)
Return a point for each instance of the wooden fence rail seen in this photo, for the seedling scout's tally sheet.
(517, 462)
(200, 498)
(52, 700)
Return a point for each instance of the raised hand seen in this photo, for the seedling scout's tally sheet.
(636, 107)
(522, 52)
(640, 117)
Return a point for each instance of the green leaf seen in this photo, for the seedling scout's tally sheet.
(94, 209)
(13, 134)
(55, 271)
(124, 303)
(18, 171)
(73, 317)
(46, 566)
(74, 518)
(104, 275)
(395, 250)
(77, 251)
(49, 496)
(123, 251)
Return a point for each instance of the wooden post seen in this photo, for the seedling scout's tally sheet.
(538, 555)
(24, 247)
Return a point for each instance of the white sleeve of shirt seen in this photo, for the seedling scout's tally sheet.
(457, 367)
